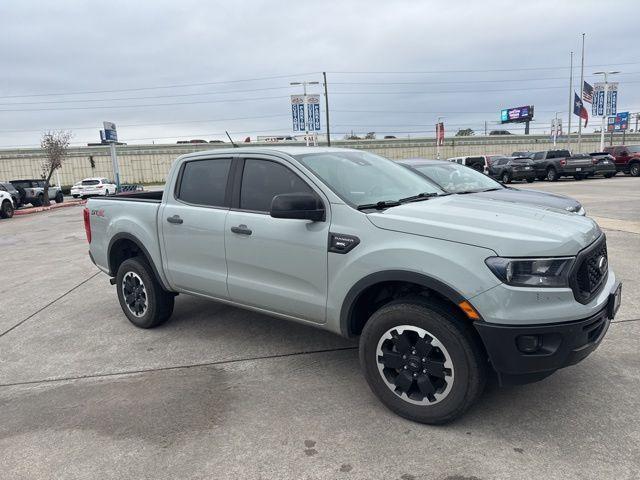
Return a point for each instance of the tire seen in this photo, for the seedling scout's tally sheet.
(505, 177)
(463, 358)
(552, 175)
(634, 169)
(609, 175)
(530, 180)
(106, 193)
(59, 197)
(75, 196)
(6, 209)
(153, 305)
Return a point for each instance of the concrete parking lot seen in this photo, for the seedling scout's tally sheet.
(220, 392)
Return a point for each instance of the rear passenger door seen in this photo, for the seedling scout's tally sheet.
(192, 223)
(275, 264)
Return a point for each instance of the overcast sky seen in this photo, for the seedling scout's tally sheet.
(461, 60)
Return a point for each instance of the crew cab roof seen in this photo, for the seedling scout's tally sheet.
(287, 150)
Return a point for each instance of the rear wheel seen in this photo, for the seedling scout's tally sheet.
(552, 175)
(59, 197)
(421, 362)
(6, 209)
(143, 300)
(38, 201)
(505, 177)
(634, 169)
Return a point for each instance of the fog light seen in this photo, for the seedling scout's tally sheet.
(529, 343)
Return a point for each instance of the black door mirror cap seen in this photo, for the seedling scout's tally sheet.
(301, 206)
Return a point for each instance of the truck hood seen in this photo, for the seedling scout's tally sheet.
(509, 229)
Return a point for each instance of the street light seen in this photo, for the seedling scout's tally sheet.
(604, 113)
(304, 97)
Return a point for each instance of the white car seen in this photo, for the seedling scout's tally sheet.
(93, 186)
(6, 205)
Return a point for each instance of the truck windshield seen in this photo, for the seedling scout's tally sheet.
(454, 178)
(362, 178)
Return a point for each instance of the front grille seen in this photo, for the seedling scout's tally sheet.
(588, 277)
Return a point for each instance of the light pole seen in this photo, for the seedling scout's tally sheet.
(306, 107)
(604, 112)
(438, 137)
(555, 130)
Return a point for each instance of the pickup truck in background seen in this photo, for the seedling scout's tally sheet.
(553, 164)
(438, 287)
(627, 158)
(32, 191)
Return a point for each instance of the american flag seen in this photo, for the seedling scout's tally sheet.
(587, 93)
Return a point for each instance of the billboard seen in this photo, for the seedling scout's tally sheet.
(618, 123)
(516, 114)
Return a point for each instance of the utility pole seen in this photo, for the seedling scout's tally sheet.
(438, 137)
(604, 113)
(555, 131)
(306, 106)
(581, 95)
(485, 128)
(570, 103)
(326, 107)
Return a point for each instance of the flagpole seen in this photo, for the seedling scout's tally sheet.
(570, 103)
(581, 96)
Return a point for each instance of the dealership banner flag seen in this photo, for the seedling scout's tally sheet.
(587, 93)
(579, 110)
(440, 133)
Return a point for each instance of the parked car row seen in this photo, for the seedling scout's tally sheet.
(552, 165)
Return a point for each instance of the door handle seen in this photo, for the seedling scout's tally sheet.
(241, 230)
(175, 219)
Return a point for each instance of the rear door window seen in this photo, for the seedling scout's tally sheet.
(263, 179)
(204, 182)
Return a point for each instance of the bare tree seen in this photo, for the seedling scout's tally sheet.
(55, 146)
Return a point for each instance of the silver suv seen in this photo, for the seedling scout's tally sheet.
(440, 288)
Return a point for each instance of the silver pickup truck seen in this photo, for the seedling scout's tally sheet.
(440, 288)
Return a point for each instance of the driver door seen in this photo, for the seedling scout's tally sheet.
(276, 264)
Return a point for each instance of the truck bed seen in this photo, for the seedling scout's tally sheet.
(151, 197)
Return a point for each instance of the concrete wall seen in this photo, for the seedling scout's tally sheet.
(150, 163)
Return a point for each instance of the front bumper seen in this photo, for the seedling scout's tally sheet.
(527, 353)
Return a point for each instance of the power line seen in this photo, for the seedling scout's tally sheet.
(513, 69)
(181, 85)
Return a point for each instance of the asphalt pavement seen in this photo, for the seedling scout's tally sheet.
(220, 392)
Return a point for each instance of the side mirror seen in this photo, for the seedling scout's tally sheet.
(302, 206)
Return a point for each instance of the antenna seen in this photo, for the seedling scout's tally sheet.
(231, 140)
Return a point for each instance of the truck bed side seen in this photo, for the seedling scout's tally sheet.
(125, 218)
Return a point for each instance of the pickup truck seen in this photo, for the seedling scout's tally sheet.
(439, 288)
(627, 158)
(32, 191)
(553, 164)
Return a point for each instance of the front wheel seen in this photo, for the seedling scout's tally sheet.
(59, 197)
(6, 209)
(634, 170)
(421, 362)
(505, 177)
(143, 300)
(552, 175)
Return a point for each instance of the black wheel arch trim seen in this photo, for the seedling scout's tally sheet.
(346, 311)
(127, 236)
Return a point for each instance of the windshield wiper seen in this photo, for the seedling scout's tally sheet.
(379, 205)
(422, 196)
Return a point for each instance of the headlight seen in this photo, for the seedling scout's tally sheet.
(532, 272)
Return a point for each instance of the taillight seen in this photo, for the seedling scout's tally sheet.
(87, 223)
(563, 162)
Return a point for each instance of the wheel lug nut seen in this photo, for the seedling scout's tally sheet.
(404, 357)
(415, 374)
(424, 360)
(405, 367)
(413, 352)
(424, 371)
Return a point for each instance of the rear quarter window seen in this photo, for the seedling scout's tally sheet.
(204, 182)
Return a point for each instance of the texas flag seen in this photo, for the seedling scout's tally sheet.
(579, 110)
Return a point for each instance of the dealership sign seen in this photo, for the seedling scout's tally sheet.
(516, 114)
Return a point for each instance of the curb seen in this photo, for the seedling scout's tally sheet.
(70, 203)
